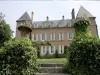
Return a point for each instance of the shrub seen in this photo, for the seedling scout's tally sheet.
(65, 51)
(18, 58)
(56, 55)
(84, 55)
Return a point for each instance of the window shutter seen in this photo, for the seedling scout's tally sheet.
(49, 49)
(62, 36)
(45, 49)
(59, 48)
(54, 49)
(45, 36)
(36, 36)
(59, 37)
(50, 36)
(63, 49)
(41, 49)
(54, 36)
(40, 36)
(68, 37)
(32, 37)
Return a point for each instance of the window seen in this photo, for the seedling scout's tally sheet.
(43, 37)
(61, 36)
(70, 36)
(43, 49)
(34, 37)
(69, 24)
(61, 49)
(52, 36)
(52, 49)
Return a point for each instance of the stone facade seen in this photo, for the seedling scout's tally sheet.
(58, 32)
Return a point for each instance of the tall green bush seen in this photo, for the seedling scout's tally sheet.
(84, 55)
(18, 58)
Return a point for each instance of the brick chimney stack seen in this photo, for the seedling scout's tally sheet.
(73, 14)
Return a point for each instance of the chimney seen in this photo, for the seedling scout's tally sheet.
(47, 18)
(63, 17)
(32, 16)
(73, 14)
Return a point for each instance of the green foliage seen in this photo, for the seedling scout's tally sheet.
(47, 54)
(5, 31)
(81, 26)
(56, 55)
(84, 52)
(65, 51)
(18, 58)
(38, 44)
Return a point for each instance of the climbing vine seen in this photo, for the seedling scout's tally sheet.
(81, 26)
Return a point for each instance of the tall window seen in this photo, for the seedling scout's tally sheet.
(52, 49)
(34, 37)
(43, 49)
(70, 36)
(43, 37)
(61, 36)
(52, 36)
(61, 49)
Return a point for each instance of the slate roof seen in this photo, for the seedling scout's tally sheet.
(83, 13)
(25, 16)
(53, 23)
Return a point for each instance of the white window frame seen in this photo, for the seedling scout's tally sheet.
(61, 36)
(52, 36)
(51, 49)
(37, 37)
(34, 37)
(43, 49)
(70, 35)
(61, 49)
(43, 36)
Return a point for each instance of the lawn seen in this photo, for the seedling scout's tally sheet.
(52, 60)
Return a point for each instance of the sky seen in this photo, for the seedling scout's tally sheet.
(54, 9)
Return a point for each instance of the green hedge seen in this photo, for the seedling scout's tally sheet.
(18, 58)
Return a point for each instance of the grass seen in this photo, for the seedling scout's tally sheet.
(52, 60)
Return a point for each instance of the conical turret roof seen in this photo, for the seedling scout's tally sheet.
(25, 16)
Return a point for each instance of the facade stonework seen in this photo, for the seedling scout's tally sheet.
(58, 32)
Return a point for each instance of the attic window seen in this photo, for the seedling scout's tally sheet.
(69, 24)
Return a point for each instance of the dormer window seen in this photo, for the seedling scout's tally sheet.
(69, 24)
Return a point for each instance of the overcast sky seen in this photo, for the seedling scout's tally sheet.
(54, 9)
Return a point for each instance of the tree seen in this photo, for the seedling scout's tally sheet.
(18, 58)
(5, 31)
(84, 51)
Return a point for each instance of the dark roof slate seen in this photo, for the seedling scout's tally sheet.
(24, 17)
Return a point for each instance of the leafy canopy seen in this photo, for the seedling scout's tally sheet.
(5, 31)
